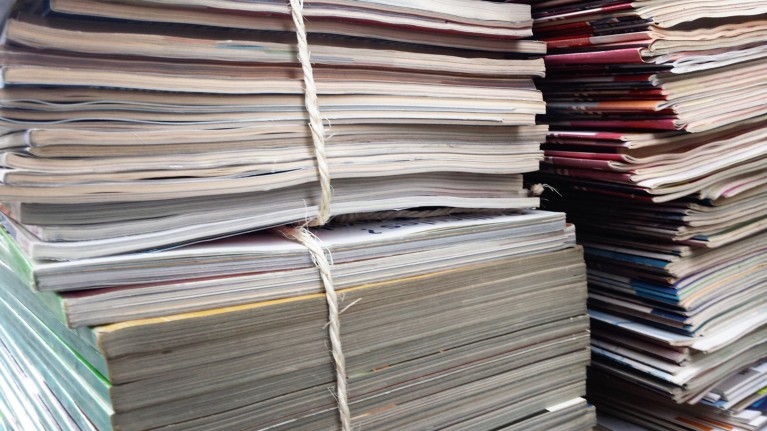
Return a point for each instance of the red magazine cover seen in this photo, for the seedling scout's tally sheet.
(659, 124)
(557, 155)
(642, 38)
(615, 56)
(578, 163)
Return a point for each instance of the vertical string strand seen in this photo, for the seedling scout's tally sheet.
(302, 234)
(317, 252)
(313, 108)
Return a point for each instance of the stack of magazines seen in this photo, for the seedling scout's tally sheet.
(657, 153)
(454, 322)
(140, 124)
(155, 155)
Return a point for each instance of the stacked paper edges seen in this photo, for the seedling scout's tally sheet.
(121, 133)
(502, 343)
(672, 222)
(129, 135)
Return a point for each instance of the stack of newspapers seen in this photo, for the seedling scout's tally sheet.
(158, 176)
(657, 150)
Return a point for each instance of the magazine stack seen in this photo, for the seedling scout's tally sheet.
(271, 215)
(656, 152)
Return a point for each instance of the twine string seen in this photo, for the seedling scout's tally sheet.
(313, 109)
(301, 233)
(538, 189)
(317, 252)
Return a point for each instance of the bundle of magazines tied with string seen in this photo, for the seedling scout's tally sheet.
(180, 249)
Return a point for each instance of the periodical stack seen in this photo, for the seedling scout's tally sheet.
(162, 162)
(658, 121)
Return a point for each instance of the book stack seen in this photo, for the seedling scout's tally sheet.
(154, 154)
(656, 150)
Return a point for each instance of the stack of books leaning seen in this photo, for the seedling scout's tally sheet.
(157, 164)
(657, 146)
